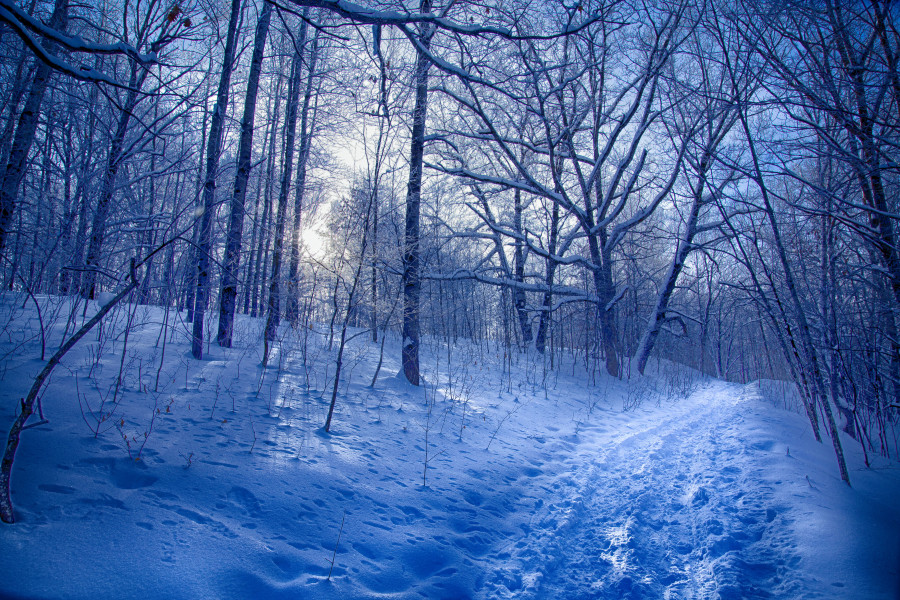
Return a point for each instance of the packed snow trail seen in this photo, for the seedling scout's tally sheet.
(682, 506)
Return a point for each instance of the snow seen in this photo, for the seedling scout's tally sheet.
(538, 484)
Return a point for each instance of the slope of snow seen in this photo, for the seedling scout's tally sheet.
(537, 484)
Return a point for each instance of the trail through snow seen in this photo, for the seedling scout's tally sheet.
(539, 485)
(664, 510)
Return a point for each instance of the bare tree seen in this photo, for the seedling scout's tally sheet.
(273, 312)
(234, 236)
(213, 151)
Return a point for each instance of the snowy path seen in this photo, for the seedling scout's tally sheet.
(682, 506)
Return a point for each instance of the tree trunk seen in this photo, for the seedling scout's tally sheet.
(519, 266)
(685, 246)
(14, 170)
(540, 340)
(228, 292)
(143, 296)
(412, 285)
(606, 291)
(21, 84)
(273, 315)
(190, 268)
(307, 127)
(216, 130)
(107, 187)
(261, 249)
(803, 325)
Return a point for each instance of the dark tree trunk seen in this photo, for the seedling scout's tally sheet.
(14, 170)
(412, 286)
(216, 129)
(519, 266)
(685, 246)
(540, 340)
(273, 311)
(228, 292)
(190, 267)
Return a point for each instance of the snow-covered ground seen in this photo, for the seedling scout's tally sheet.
(538, 483)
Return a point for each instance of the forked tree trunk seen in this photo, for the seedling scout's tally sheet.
(685, 246)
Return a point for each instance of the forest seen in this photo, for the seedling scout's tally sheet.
(615, 186)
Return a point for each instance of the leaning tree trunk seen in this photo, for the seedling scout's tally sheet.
(412, 285)
(228, 292)
(685, 246)
(803, 324)
(216, 129)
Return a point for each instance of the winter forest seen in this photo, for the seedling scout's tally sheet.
(450, 298)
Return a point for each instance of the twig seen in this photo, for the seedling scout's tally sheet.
(334, 554)
(502, 421)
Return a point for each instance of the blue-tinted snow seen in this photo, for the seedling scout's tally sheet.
(538, 483)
